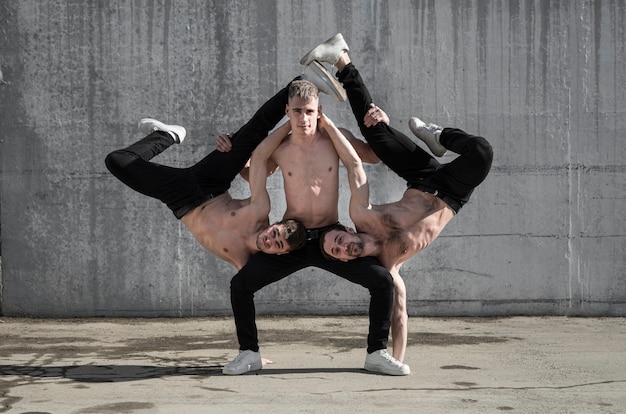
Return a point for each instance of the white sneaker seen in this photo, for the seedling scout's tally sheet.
(328, 51)
(325, 82)
(246, 361)
(380, 361)
(429, 133)
(149, 125)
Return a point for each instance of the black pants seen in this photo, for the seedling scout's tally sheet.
(264, 269)
(185, 188)
(454, 181)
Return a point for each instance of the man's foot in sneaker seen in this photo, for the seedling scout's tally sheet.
(328, 51)
(380, 361)
(246, 361)
(317, 74)
(149, 125)
(429, 133)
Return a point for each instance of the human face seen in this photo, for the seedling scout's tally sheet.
(303, 114)
(272, 240)
(343, 245)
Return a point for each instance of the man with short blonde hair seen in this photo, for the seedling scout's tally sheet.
(309, 165)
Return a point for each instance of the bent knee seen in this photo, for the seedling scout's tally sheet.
(111, 162)
(237, 283)
(116, 161)
(484, 151)
(245, 283)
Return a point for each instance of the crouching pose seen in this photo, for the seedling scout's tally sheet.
(309, 165)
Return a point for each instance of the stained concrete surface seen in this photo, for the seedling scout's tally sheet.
(459, 365)
(543, 81)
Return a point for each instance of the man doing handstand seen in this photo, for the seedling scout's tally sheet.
(397, 231)
(231, 229)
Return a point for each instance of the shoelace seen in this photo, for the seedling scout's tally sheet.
(241, 356)
(391, 359)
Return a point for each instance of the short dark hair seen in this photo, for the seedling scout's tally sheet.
(295, 233)
(337, 226)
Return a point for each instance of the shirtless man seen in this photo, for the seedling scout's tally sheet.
(397, 231)
(309, 165)
(231, 229)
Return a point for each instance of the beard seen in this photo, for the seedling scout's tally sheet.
(355, 249)
(260, 243)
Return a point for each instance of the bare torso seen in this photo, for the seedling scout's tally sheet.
(225, 227)
(309, 165)
(405, 227)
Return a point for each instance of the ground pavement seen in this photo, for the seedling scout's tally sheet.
(459, 365)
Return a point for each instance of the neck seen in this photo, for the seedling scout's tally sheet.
(370, 246)
(301, 137)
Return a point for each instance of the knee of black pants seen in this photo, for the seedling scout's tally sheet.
(116, 161)
(484, 151)
(241, 286)
(382, 283)
(236, 283)
(120, 159)
(386, 285)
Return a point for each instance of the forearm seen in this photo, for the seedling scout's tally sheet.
(258, 170)
(267, 147)
(346, 151)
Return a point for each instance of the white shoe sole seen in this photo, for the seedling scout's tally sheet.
(242, 370)
(325, 82)
(150, 125)
(384, 370)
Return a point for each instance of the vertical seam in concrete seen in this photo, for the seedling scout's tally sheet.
(573, 172)
(166, 54)
(570, 192)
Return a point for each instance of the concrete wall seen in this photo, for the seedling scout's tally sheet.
(543, 80)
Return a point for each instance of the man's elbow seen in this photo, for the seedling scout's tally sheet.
(370, 157)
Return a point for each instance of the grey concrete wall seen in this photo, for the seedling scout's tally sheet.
(544, 81)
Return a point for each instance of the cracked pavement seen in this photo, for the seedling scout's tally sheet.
(458, 365)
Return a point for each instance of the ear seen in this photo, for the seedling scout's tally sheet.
(350, 230)
(319, 112)
(287, 109)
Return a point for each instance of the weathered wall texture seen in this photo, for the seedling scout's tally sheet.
(543, 80)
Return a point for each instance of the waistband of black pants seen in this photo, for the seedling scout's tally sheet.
(314, 234)
(188, 207)
(454, 205)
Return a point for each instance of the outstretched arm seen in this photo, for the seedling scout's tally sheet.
(359, 187)
(259, 196)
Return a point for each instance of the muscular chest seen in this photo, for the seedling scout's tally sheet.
(308, 165)
(402, 235)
